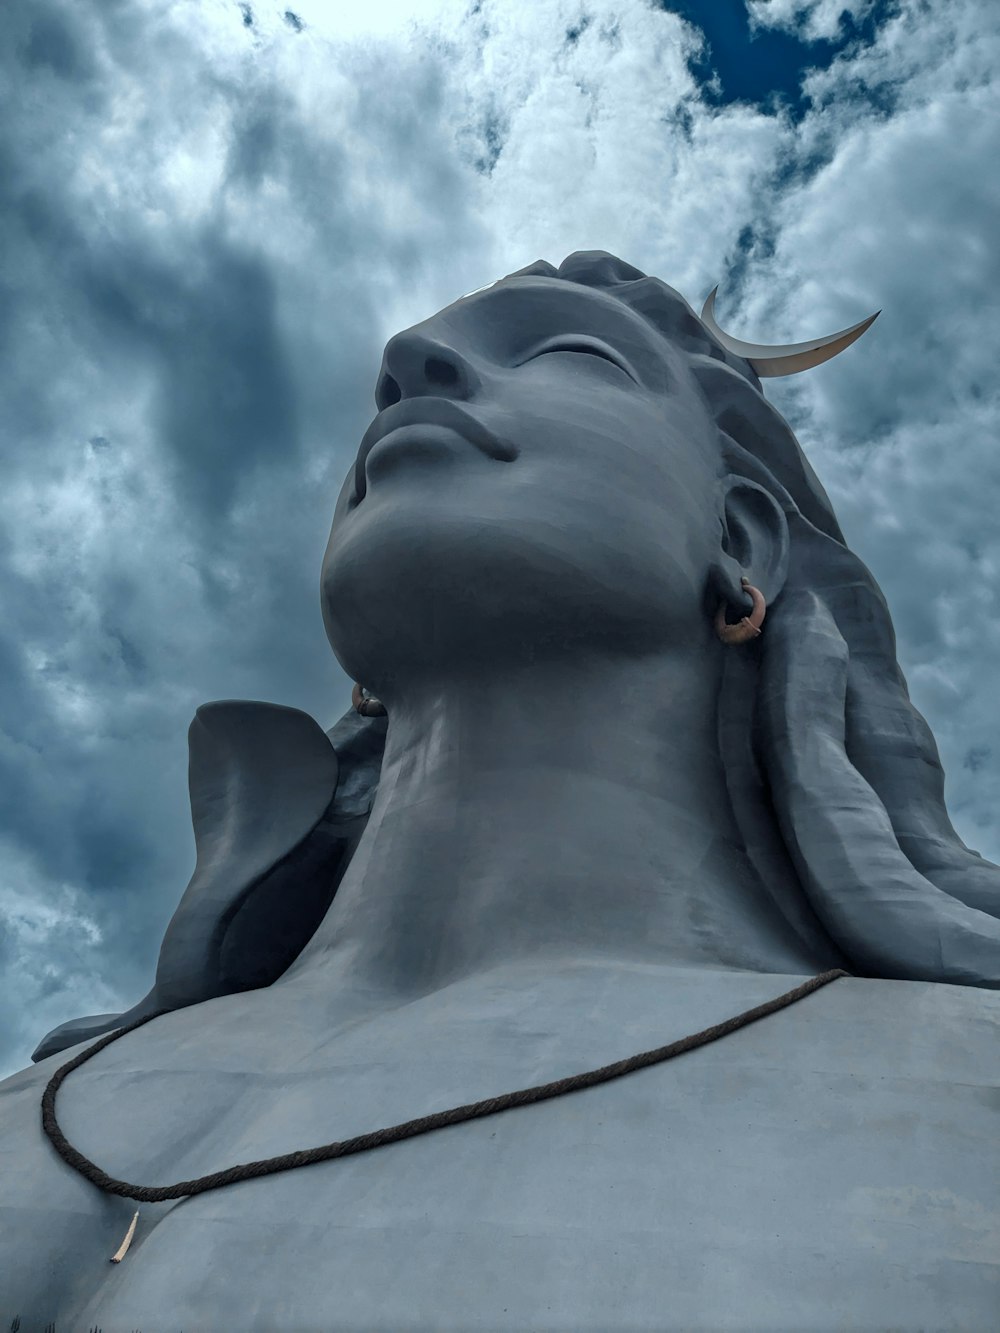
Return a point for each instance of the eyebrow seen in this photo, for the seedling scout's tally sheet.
(581, 310)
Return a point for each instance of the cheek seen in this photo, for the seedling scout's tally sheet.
(658, 476)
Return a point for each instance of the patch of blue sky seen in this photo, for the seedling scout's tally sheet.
(765, 66)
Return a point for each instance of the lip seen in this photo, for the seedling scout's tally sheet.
(427, 412)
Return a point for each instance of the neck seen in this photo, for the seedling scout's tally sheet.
(552, 810)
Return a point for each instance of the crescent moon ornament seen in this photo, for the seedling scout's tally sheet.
(790, 359)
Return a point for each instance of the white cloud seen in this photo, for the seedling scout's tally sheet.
(811, 20)
(284, 201)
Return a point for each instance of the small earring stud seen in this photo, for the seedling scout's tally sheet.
(367, 706)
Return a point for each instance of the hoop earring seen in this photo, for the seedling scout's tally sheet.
(747, 628)
(367, 706)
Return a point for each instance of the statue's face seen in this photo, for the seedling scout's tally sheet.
(587, 516)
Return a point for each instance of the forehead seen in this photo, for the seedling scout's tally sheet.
(518, 311)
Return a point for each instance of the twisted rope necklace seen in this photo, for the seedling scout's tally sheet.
(269, 1165)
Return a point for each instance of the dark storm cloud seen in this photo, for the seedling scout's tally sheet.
(208, 330)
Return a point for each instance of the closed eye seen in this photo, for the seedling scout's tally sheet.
(582, 345)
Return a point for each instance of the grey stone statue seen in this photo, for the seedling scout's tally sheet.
(584, 828)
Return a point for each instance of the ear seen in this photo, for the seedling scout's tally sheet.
(753, 544)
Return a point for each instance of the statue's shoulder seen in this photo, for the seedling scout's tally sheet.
(277, 807)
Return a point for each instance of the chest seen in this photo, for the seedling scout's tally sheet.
(813, 1171)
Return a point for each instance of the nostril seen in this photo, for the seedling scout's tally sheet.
(387, 392)
(440, 372)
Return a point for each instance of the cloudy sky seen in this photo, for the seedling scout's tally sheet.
(214, 214)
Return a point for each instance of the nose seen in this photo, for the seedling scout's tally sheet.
(416, 363)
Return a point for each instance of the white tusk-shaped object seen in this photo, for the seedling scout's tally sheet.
(768, 362)
(120, 1254)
